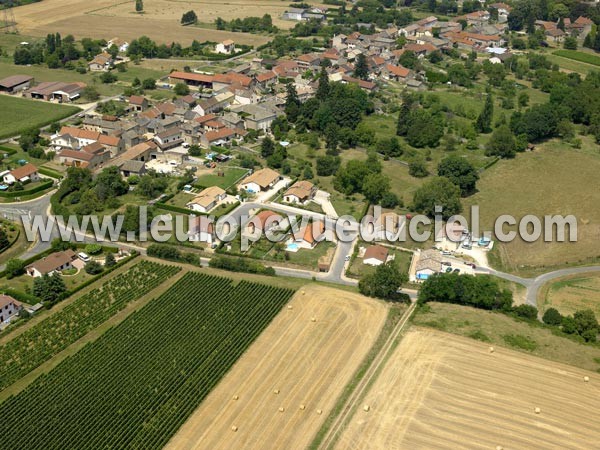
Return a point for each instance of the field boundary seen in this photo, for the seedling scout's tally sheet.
(329, 434)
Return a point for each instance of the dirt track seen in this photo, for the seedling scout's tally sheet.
(447, 392)
(310, 363)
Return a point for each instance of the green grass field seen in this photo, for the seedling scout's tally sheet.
(572, 293)
(18, 114)
(499, 329)
(554, 179)
(229, 178)
(587, 58)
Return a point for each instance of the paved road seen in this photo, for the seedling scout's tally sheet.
(537, 283)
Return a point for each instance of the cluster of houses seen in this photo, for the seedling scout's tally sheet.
(556, 32)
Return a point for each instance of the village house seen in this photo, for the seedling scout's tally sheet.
(375, 255)
(24, 174)
(169, 138)
(9, 308)
(265, 221)
(429, 263)
(226, 47)
(258, 117)
(55, 262)
(396, 73)
(266, 80)
(90, 156)
(300, 192)
(15, 83)
(207, 199)
(202, 230)
(219, 138)
(101, 63)
(138, 103)
(261, 180)
(122, 45)
(130, 168)
(309, 236)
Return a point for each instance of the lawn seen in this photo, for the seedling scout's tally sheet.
(554, 179)
(499, 329)
(572, 293)
(230, 176)
(18, 114)
(357, 269)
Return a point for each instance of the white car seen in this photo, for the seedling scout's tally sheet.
(84, 257)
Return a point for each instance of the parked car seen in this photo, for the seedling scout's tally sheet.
(446, 253)
(84, 257)
(449, 269)
(457, 270)
(446, 263)
(472, 266)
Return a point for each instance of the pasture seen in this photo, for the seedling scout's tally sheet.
(572, 293)
(307, 363)
(554, 179)
(140, 386)
(160, 20)
(18, 114)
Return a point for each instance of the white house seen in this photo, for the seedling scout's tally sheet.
(54, 262)
(226, 47)
(375, 255)
(202, 230)
(261, 180)
(9, 308)
(122, 45)
(300, 192)
(207, 199)
(24, 174)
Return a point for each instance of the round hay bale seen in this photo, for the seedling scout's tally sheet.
(302, 407)
(366, 408)
(236, 397)
(499, 447)
(537, 410)
(303, 292)
(586, 379)
(281, 409)
(491, 349)
(290, 307)
(319, 411)
(313, 319)
(276, 391)
(234, 428)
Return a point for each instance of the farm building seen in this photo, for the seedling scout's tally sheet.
(15, 83)
(192, 79)
(207, 199)
(300, 192)
(56, 91)
(129, 168)
(9, 308)
(261, 180)
(375, 255)
(24, 174)
(54, 262)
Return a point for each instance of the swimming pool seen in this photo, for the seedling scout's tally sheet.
(292, 247)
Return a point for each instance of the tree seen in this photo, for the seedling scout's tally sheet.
(195, 150)
(484, 121)
(384, 282)
(327, 165)
(93, 268)
(375, 186)
(90, 93)
(109, 261)
(502, 143)
(181, 89)
(425, 129)
(323, 88)
(14, 268)
(4, 242)
(149, 84)
(404, 116)
(585, 321)
(292, 103)
(568, 325)
(108, 77)
(417, 169)
(110, 184)
(527, 312)
(361, 68)
(570, 43)
(552, 317)
(49, 288)
(267, 147)
(460, 172)
(139, 5)
(189, 18)
(439, 191)
(152, 185)
(332, 139)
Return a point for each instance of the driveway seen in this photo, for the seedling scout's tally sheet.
(323, 198)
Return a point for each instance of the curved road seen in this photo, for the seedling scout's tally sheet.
(336, 274)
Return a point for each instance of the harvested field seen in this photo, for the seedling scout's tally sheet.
(105, 19)
(309, 363)
(447, 392)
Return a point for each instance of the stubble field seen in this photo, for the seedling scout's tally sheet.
(448, 392)
(160, 20)
(309, 363)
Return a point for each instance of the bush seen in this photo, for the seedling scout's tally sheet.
(520, 341)
(93, 268)
(240, 265)
(93, 249)
(552, 317)
(526, 311)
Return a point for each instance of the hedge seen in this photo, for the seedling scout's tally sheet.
(42, 186)
(11, 243)
(10, 151)
(21, 296)
(50, 173)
